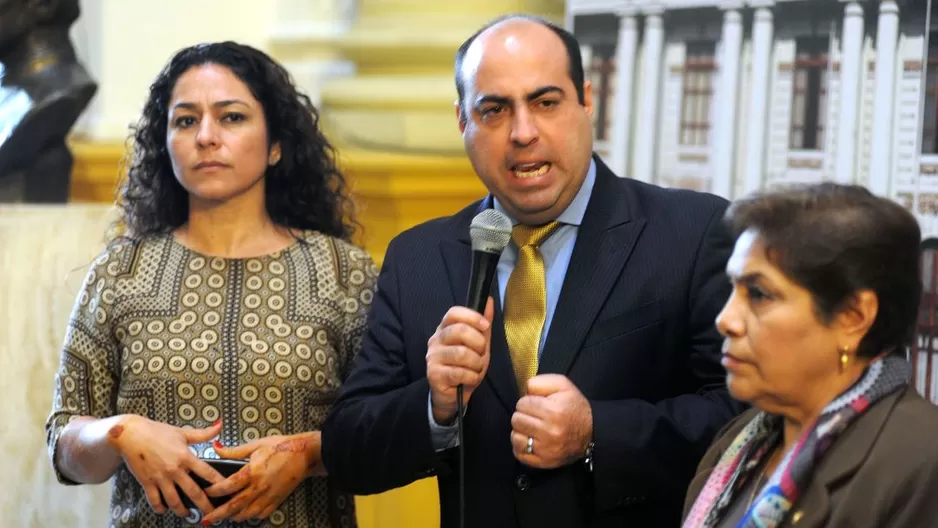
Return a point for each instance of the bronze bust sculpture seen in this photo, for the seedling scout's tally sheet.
(43, 90)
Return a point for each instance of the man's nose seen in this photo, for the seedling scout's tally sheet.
(523, 128)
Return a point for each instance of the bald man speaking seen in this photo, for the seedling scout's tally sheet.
(592, 379)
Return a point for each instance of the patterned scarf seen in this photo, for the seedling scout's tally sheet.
(738, 463)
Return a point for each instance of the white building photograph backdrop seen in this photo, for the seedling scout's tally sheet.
(733, 96)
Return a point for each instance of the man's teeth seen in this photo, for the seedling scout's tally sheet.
(532, 173)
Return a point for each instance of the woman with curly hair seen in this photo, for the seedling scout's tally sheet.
(221, 321)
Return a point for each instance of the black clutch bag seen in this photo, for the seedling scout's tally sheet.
(225, 467)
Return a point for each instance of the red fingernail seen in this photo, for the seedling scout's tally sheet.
(217, 423)
(217, 445)
(206, 523)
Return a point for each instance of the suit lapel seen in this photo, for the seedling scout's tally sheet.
(457, 255)
(501, 372)
(604, 242)
(844, 459)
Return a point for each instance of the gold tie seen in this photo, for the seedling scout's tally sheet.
(526, 300)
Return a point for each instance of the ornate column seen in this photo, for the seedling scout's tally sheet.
(884, 107)
(401, 98)
(644, 165)
(395, 125)
(848, 118)
(304, 37)
(756, 129)
(626, 48)
(724, 139)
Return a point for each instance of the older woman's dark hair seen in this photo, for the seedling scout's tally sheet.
(304, 190)
(835, 240)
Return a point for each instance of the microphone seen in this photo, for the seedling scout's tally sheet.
(490, 232)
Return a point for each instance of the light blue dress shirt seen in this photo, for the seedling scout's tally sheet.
(556, 252)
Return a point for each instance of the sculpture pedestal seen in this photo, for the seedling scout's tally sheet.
(45, 252)
(45, 181)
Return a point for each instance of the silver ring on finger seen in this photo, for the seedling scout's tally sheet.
(530, 448)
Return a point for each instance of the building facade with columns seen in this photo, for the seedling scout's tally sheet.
(731, 96)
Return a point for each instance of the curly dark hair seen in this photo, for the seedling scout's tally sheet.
(305, 190)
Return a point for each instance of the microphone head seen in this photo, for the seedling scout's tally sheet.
(490, 231)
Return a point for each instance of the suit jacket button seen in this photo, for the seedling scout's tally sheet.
(523, 482)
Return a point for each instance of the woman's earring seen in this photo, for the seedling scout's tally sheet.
(844, 358)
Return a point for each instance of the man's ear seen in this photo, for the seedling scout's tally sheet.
(460, 116)
(588, 98)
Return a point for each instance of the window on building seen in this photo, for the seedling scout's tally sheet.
(598, 36)
(930, 121)
(699, 73)
(601, 71)
(809, 101)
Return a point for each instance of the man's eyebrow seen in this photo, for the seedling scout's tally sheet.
(503, 100)
(541, 92)
(493, 99)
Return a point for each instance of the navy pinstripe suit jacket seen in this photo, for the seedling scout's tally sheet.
(633, 329)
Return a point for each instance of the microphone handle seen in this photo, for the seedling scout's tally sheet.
(480, 284)
(462, 457)
(480, 280)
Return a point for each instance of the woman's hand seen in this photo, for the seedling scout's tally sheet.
(158, 455)
(277, 465)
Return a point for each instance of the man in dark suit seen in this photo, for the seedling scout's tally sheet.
(593, 380)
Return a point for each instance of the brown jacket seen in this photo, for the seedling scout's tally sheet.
(882, 473)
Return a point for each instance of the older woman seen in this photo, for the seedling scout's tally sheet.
(825, 295)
